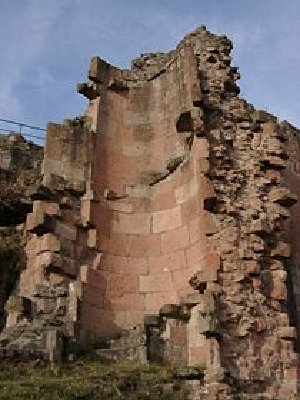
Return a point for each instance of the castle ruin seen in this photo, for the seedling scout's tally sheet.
(165, 228)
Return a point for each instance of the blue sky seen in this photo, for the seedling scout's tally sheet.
(46, 46)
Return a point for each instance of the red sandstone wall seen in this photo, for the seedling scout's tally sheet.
(292, 181)
(151, 236)
(51, 226)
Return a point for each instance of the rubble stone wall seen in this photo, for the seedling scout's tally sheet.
(51, 227)
(292, 181)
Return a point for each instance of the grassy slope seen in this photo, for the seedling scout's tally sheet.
(90, 380)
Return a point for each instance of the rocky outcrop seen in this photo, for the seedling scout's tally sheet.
(20, 165)
(20, 172)
(162, 230)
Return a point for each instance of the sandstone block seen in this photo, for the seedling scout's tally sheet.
(175, 239)
(155, 300)
(138, 223)
(156, 283)
(66, 230)
(173, 261)
(281, 251)
(283, 197)
(186, 192)
(142, 245)
(49, 242)
(166, 220)
(92, 238)
(287, 333)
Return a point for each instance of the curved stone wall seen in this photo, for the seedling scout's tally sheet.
(149, 187)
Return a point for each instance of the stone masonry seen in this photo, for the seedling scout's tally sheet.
(162, 228)
(20, 165)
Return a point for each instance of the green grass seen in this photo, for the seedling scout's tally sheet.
(87, 379)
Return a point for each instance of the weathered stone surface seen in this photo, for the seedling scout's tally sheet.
(20, 163)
